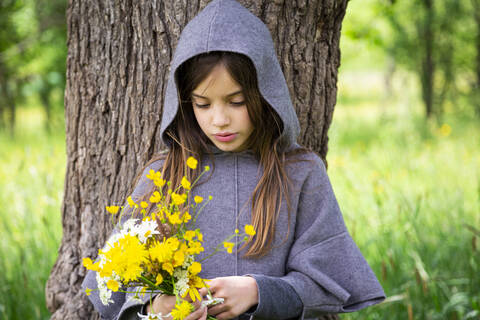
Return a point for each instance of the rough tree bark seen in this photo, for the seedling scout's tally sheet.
(118, 59)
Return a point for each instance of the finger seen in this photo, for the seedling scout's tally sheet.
(205, 313)
(197, 304)
(203, 291)
(213, 285)
(217, 309)
(197, 314)
(224, 316)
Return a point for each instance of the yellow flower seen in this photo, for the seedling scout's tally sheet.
(237, 231)
(113, 285)
(131, 203)
(195, 268)
(186, 217)
(182, 310)
(88, 291)
(193, 292)
(158, 279)
(173, 243)
(207, 168)
(197, 282)
(153, 175)
(167, 266)
(156, 177)
(194, 247)
(178, 199)
(178, 258)
(160, 251)
(185, 183)
(192, 163)
(125, 257)
(143, 204)
(210, 197)
(175, 218)
(155, 197)
(229, 246)
(198, 199)
(159, 182)
(199, 236)
(89, 265)
(249, 230)
(445, 130)
(189, 234)
(112, 209)
(194, 282)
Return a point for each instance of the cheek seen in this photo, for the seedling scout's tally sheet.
(247, 123)
(203, 122)
(199, 117)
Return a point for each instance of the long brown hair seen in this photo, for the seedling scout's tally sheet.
(187, 139)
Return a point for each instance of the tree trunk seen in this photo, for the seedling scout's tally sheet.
(8, 103)
(428, 63)
(117, 66)
(476, 13)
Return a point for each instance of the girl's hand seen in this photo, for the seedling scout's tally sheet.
(240, 293)
(165, 303)
(162, 303)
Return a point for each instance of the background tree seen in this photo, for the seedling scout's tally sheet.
(8, 39)
(32, 58)
(117, 64)
(476, 85)
(51, 36)
(433, 39)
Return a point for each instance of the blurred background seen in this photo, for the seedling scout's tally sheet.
(404, 152)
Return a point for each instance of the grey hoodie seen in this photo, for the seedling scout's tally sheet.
(318, 269)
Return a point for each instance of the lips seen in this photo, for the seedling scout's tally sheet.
(225, 136)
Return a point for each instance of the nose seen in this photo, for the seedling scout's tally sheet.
(220, 116)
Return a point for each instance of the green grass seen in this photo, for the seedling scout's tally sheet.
(32, 166)
(408, 189)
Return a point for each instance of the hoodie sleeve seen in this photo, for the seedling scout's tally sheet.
(325, 267)
(121, 302)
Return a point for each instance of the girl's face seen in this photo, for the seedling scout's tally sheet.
(220, 110)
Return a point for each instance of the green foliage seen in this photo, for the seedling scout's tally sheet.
(438, 40)
(32, 56)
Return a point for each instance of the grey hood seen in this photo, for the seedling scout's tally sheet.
(225, 25)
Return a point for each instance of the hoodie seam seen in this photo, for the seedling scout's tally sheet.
(210, 26)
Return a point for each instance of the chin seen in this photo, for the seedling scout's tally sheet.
(227, 148)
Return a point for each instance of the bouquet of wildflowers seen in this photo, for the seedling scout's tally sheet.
(143, 255)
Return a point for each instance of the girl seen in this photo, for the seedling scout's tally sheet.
(228, 105)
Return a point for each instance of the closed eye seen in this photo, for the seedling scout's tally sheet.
(241, 103)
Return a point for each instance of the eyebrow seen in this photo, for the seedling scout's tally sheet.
(228, 95)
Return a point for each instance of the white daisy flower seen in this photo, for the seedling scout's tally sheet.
(145, 230)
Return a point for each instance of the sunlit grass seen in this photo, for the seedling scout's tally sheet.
(409, 190)
(32, 166)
